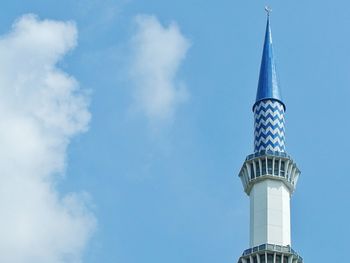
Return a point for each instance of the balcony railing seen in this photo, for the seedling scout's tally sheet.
(268, 152)
(272, 248)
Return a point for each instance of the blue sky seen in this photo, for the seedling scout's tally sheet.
(131, 178)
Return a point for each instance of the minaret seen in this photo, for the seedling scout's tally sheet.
(269, 175)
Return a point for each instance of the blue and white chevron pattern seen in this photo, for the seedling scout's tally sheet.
(269, 126)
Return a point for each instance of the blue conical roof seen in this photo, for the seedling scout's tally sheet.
(268, 83)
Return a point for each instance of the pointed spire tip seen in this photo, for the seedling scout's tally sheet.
(268, 10)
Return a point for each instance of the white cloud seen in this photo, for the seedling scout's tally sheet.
(157, 53)
(41, 109)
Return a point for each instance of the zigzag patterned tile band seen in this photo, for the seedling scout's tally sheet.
(269, 126)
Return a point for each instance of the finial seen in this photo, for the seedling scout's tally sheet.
(268, 10)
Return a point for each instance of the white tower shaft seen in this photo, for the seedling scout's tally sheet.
(270, 213)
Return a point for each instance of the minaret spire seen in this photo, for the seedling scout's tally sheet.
(268, 87)
(268, 107)
(269, 175)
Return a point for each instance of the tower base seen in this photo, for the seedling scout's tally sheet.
(268, 253)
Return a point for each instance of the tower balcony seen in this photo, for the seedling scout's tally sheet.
(269, 165)
(269, 253)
